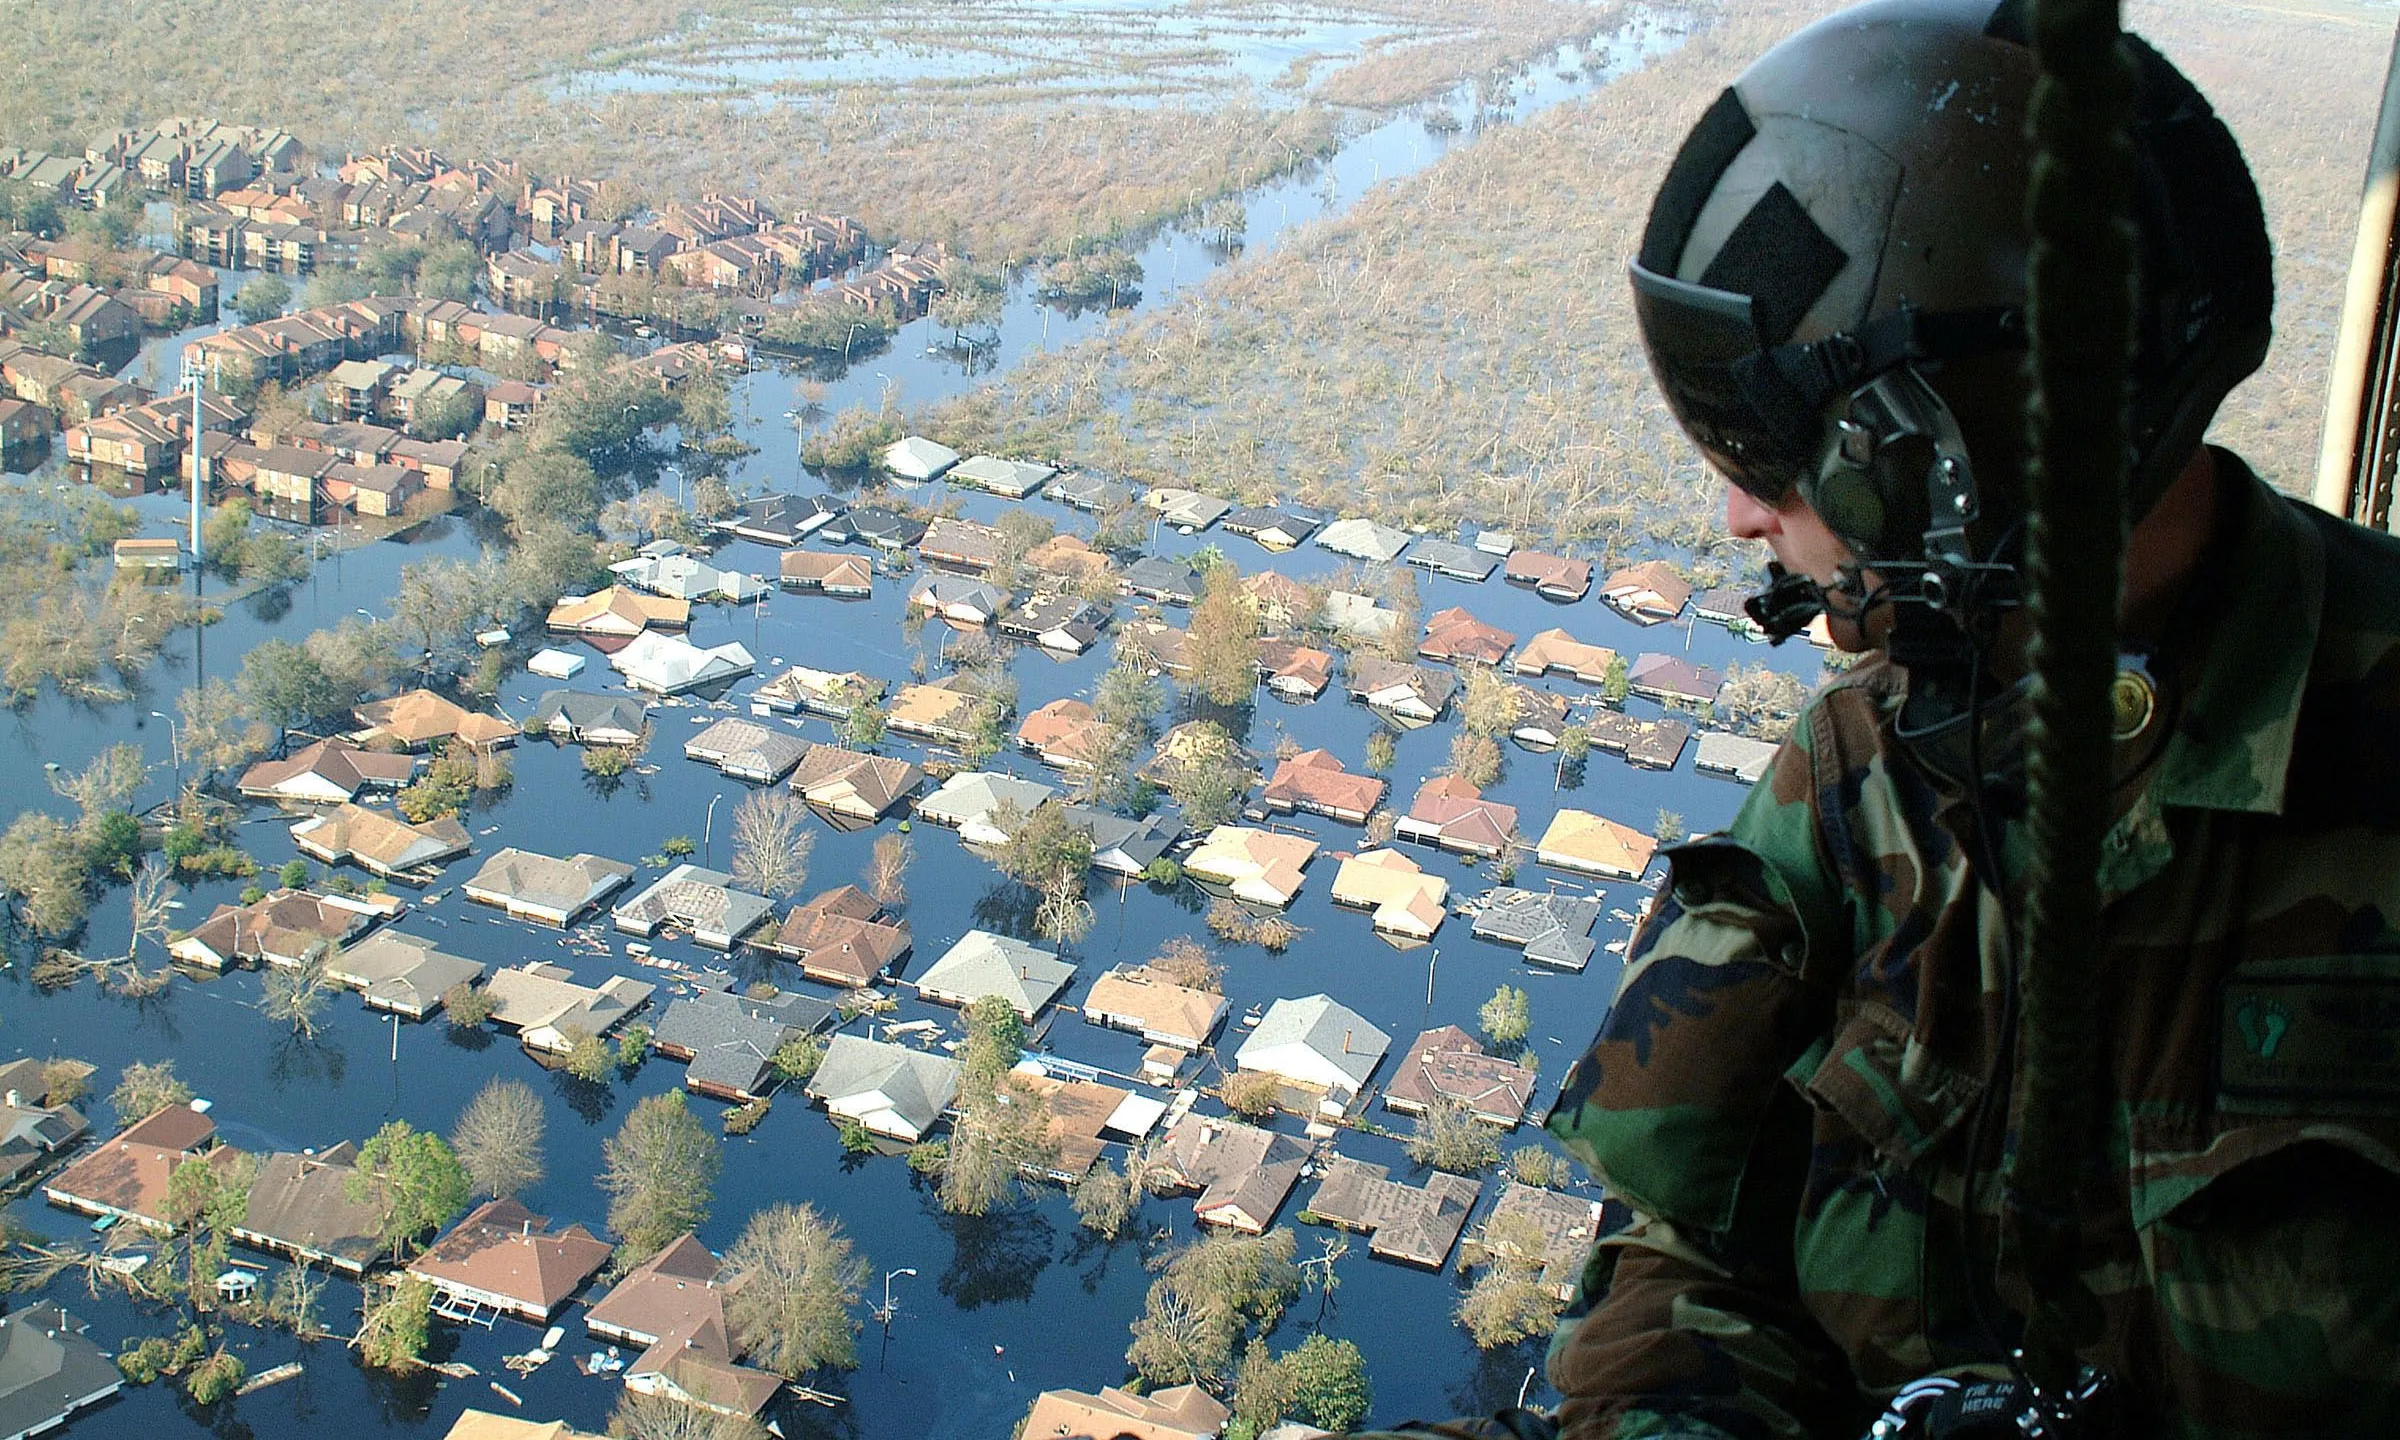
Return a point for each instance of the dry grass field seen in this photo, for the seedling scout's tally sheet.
(1458, 347)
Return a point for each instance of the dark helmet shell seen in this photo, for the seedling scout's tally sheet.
(1877, 161)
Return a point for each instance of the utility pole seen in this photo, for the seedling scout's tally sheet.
(199, 462)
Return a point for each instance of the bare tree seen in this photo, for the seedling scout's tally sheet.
(293, 994)
(887, 871)
(772, 843)
(151, 897)
(793, 1311)
(664, 1417)
(106, 784)
(499, 1138)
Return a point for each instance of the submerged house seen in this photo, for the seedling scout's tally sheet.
(300, 1207)
(381, 844)
(1553, 577)
(544, 889)
(983, 964)
(505, 1260)
(1015, 479)
(1647, 593)
(283, 928)
(728, 1041)
(747, 750)
(888, 1089)
(617, 613)
(1416, 694)
(1258, 866)
(420, 719)
(1582, 841)
(831, 693)
(671, 1309)
(850, 577)
(839, 938)
(1367, 540)
(1453, 815)
(1446, 1065)
(1405, 900)
(49, 1370)
(1415, 1224)
(1316, 782)
(1243, 1173)
(1453, 635)
(583, 718)
(1067, 624)
(1316, 1045)
(1552, 929)
(125, 1177)
(401, 974)
(699, 901)
(670, 664)
(1159, 1010)
(853, 787)
(326, 773)
(549, 1011)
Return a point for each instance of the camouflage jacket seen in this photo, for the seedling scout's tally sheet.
(1782, 1094)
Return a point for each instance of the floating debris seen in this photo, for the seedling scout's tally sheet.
(264, 1378)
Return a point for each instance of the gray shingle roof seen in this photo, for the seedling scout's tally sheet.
(982, 964)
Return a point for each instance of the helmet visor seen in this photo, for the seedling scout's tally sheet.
(1697, 338)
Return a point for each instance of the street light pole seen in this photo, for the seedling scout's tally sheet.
(886, 1310)
(708, 826)
(174, 745)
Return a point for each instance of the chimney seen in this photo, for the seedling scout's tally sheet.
(1345, 1041)
(13, 1100)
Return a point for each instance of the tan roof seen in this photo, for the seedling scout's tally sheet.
(420, 717)
(1557, 650)
(1254, 864)
(1180, 1412)
(669, 1291)
(484, 1425)
(1550, 573)
(815, 567)
(1067, 555)
(934, 706)
(379, 841)
(1650, 590)
(1580, 840)
(852, 783)
(505, 1249)
(1161, 1006)
(618, 610)
(1405, 899)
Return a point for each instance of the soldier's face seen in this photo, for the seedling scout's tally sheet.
(1802, 543)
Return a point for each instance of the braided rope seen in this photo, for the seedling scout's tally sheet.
(2082, 287)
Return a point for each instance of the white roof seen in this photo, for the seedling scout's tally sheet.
(982, 964)
(1317, 1041)
(1736, 755)
(972, 794)
(669, 663)
(556, 664)
(1364, 539)
(917, 458)
(1009, 477)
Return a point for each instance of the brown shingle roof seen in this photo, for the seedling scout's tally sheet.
(506, 1250)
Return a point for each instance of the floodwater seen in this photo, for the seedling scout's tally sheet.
(1140, 50)
(1001, 1281)
(1001, 1306)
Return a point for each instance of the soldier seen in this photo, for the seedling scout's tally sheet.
(1803, 1095)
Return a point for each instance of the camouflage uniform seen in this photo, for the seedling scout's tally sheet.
(1782, 1093)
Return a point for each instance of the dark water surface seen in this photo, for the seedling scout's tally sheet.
(1025, 1279)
